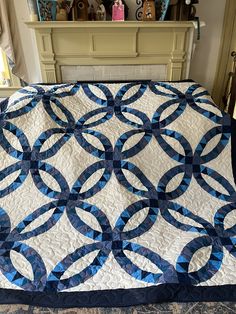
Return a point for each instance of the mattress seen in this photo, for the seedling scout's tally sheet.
(116, 194)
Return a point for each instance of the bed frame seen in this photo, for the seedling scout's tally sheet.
(70, 44)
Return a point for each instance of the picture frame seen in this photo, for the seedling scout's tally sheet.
(47, 10)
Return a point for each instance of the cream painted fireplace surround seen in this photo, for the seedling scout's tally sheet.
(164, 48)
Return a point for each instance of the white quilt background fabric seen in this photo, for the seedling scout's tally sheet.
(108, 186)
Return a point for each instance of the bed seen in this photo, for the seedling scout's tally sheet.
(116, 195)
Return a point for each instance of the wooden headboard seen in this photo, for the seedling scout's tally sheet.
(159, 46)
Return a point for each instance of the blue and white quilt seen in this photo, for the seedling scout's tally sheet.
(116, 194)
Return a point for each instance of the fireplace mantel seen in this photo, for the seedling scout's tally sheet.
(62, 44)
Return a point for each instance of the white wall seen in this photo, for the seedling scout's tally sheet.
(204, 63)
(28, 41)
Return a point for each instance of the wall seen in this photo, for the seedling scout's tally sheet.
(205, 60)
(205, 57)
(28, 41)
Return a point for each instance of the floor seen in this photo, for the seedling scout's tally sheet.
(167, 308)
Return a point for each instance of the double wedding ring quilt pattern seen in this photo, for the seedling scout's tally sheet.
(106, 186)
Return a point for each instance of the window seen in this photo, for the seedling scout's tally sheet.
(9, 83)
(5, 79)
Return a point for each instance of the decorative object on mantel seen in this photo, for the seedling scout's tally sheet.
(161, 9)
(47, 10)
(118, 11)
(62, 15)
(101, 11)
(32, 4)
(139, 10)
(182, 10)
(63, 9)
(80, 10)
(149, 11)
(92, 13)
(108, 6)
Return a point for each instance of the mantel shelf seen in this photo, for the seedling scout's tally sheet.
(167, 45)
(111, 24)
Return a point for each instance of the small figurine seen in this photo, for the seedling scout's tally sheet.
(108, 4)
(92, 14)
(80, 10)
(149, 10)
(101, 13)
(63, 10)
(118, 11)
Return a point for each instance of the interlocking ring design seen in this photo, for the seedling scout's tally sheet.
(116, 241)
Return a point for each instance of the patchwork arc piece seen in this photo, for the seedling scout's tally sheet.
(116, 194)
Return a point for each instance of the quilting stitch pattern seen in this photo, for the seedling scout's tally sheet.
(101, 105)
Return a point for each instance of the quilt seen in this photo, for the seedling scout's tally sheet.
(116, 194)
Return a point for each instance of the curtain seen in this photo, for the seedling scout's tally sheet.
(10, 39)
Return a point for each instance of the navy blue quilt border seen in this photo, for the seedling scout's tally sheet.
(126, 297)
(121, 297)
(233, 141)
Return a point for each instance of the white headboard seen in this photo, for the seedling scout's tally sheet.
(113, 50)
